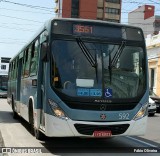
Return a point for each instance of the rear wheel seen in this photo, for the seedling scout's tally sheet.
(15, 115)
(31, 117)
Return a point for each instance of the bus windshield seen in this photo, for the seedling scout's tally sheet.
(98, 70)
(3, 82)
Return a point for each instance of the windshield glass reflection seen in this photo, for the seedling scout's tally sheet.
(106, 76)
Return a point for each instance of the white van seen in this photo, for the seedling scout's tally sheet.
(151, 107)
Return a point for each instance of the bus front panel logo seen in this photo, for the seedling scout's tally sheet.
(103, 116)
(103, 107)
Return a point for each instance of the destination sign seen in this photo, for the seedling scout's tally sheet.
(97, 29)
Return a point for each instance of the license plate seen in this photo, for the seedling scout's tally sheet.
(102, 134)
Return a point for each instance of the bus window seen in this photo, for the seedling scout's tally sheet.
(23, 60)
(15, 70)
(27, 62)
(12, 72)
(34, 58)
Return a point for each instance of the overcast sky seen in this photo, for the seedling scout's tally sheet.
(20, 19)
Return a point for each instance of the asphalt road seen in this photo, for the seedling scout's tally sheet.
(16, 133)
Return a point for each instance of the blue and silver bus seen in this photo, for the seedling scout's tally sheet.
(82, 78)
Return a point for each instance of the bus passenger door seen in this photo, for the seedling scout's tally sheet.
(19, 78)
(43, 97)
(42, 74)
(18, 85)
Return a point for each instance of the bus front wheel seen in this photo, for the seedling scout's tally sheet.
(39, 135)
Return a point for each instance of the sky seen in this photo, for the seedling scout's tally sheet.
(20, 20)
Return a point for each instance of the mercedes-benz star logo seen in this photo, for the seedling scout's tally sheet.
(103, 107)
(103, 116)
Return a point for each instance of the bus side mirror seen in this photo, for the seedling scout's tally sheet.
(44, 51)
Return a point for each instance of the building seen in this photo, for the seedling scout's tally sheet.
(153, 51)
(108, 10)
(4, 65)
(144, 17)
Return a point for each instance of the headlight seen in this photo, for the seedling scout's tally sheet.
(142, 112)
(58, 112)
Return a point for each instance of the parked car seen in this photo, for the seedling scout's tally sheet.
(156, 99)
(151, 107)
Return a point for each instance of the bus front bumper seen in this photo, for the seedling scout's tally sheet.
(56, 127)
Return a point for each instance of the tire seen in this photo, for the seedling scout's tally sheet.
(151, 114)
(38, 134)
(158, 110)
(31, 117)
(15, 115)
(34, 131)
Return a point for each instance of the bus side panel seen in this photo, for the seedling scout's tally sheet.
(27, 91)
(9, 95)
(12, 87)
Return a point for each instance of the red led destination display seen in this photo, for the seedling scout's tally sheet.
(82, 29)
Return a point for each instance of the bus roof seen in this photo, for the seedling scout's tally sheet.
(94, 21)
(47, 25)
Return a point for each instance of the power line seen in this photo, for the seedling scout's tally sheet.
(14, 39)
(21, 29)
(26, 24)
(21, 18)
(49, 8)
(20, 43)
(38, 7)
(154, 2)
(27, 11)
(29, 6)
(126, 11)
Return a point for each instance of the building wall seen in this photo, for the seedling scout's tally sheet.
(107, 11)
(88, 9)
(66, 8)
(100, 8)
(158, 77)
(144, 17)
(148, 11)
(153, 52)
(157, 24)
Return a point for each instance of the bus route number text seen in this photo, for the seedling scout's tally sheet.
(83, 29)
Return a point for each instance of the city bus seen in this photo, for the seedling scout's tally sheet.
(3, 85)
(81, 78)
(4, 66)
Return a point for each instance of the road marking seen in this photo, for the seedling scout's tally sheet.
(148, 144)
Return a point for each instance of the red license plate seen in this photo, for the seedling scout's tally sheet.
(102, 134)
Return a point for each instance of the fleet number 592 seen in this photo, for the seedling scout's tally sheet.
(124, 116)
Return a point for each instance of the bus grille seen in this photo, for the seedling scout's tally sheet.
(96, 106)
(89, 129)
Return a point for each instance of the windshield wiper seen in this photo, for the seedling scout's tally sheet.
(118, 54)
(86, 52)
(115, 58)
(88, 55)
